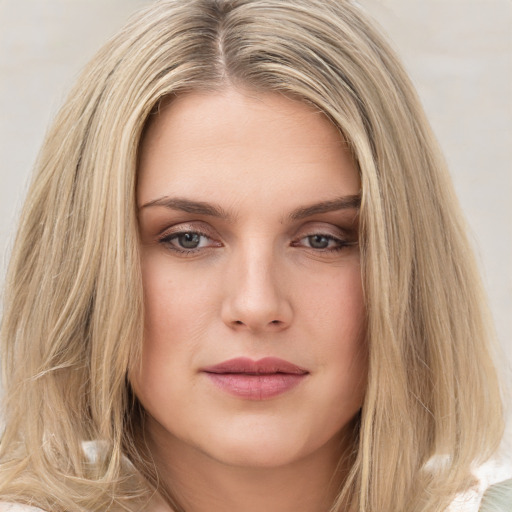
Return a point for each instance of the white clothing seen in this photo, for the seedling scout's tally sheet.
(491, 473)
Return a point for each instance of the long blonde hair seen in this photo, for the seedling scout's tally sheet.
(74, 313)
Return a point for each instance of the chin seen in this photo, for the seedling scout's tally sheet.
(259, 455)
(264, 447)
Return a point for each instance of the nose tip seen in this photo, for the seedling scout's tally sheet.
(256, 301)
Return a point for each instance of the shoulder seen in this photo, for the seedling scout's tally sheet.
(498, 498)
(493, 493)
(17, 507)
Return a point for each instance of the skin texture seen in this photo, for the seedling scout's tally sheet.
(260, 282)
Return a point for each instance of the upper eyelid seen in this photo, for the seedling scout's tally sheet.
(185, 227)
(331, 231)
(176, 234)
(319, 233)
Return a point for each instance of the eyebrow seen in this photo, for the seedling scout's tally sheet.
(352, 202)
(188, 206)
(203, 208)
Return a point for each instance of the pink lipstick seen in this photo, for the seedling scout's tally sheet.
(255, 380)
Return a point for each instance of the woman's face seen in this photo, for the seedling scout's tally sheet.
(254, 349)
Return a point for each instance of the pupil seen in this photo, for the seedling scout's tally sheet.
(189, 240)
(319, 241)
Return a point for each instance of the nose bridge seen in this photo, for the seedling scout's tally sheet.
(256, 296)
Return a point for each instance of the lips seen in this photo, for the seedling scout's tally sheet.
(255, 380)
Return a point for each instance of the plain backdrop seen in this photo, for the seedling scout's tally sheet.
(458, 53)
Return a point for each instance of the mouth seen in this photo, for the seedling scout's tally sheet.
(255, 380)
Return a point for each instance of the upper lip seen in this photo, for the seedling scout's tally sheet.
(265, 366)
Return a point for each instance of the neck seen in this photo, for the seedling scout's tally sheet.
(202, 484)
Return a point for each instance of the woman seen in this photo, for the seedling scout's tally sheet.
(241, 281)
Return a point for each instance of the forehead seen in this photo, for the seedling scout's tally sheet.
(237, 142)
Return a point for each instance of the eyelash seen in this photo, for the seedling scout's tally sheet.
(340, 243)
(167, 240)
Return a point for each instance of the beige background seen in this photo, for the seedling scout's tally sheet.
(458, 52)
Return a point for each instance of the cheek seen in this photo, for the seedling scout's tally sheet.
(178, 302)
(336, 321)
(178, 307)
(335, 305)
(350, 320)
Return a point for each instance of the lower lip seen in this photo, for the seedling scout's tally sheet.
(256, 387)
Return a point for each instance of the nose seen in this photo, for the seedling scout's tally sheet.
(256, 294)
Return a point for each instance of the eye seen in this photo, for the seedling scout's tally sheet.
(322, 242)
(188, 241)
